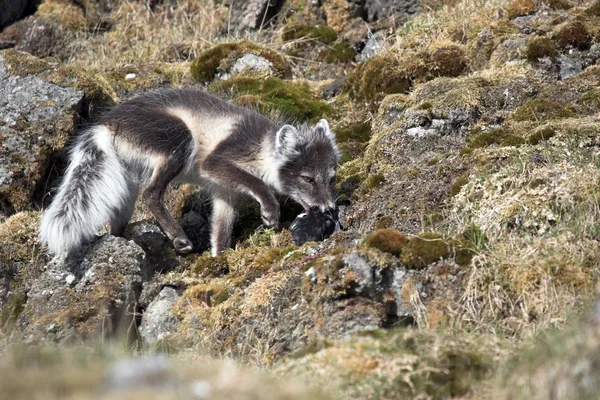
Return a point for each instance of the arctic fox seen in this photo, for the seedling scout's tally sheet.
(190, 136)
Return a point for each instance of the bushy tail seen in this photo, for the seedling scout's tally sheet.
(93, 189)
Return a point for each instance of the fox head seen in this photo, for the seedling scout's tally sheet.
(307, 164)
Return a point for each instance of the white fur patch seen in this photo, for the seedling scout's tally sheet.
(207, 130)
(68, 222)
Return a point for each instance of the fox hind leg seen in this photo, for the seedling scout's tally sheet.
(153, 195)
(121, 217)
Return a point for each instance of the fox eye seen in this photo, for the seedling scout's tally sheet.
(307, 179)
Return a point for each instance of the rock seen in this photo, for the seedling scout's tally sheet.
(51, 30)
(100, 300)
(250, 63)
(569, 67)
(380, 9)
(158, 320)
(373, 46)
(357, 291)
(250, 14)
(160, 255)
(334, 88)
(509, 50)
(37, 119)
(13, 10)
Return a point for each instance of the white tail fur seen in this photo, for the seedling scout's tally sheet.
(93, 189)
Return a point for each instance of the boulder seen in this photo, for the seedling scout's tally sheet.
(93, 293)
(37, 119)
(13, 10)
(158, 321)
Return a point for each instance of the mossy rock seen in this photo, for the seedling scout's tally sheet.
(540, 47)
(424, 249)
(210, 266)
(374, 181)
(573, 34)
(449, 61)
(520, 8)
(319, 33)
(541, 134)
(210, 295)
(543, 109)
(388, 240)
(377, 77)
(220, 57)
(458, 183)
(591, 100)
(338, 52)
(293, 100)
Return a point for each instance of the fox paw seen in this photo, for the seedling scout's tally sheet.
(270, 217)
(182, 244)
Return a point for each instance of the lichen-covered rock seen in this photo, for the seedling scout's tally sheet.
(37, 118)
(91, 294)
(158, 320)
(247, 15)
(381, 9)
(222, 58)
(50, 31)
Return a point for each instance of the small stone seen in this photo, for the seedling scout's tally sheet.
(70, 279)
(130, 77)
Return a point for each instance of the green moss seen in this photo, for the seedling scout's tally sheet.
(424, 106)
(540, 47)
(591, 100)
(544, 133)
(573, 34)
(319, 33)
(520, 8)
(210, 266)
(387, 240)
(424, 249)
(12, 309)
(220, 58)
(384, 222)
(338, 52)
(487, 138)
(210, 295)
(358, 131)
(293, 100)
(22, 64)
(375, 78)
(543, 109)
(458, 184)
(374, 181)
(450, 61)
(512, 140)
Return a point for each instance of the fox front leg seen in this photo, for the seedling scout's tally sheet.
(230, 176)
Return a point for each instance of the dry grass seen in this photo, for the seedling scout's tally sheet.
(173, 31)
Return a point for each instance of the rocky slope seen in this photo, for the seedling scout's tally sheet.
(468, 190)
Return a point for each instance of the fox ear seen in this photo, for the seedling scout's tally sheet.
(286, 140)
(324, 125)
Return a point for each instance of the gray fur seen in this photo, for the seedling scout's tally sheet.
(187, 135)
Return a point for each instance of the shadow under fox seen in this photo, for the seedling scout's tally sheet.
(190, 136)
